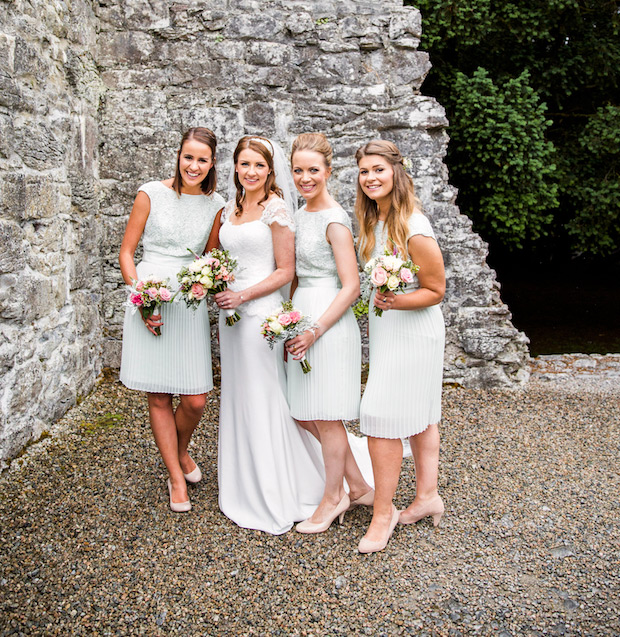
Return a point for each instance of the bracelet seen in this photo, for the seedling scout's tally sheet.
(241, 297)
(313, 329)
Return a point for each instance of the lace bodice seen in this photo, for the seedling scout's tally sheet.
(418, 224)
(313, 254)
(175, 222)
(251, 243)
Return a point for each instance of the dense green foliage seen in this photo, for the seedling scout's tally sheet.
(532, 93)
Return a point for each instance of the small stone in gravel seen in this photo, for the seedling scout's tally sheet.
(562, 551)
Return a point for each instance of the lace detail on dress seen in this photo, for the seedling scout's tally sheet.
(175, 222)
(276, 210)
(314, 255)
(251, 243)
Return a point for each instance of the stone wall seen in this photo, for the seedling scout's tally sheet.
(50, 270)
(93, 99)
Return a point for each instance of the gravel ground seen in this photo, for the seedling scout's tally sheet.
(529, 544)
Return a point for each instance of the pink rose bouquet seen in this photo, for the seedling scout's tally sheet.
(283, 325)
(388, 272)
(148, 295)
(208, 274)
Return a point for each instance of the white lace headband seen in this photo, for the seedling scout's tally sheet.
(265, 142)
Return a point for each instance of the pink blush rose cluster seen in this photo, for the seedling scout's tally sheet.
(283, 325)
(388, 272)
(147, 295)
(209, 274)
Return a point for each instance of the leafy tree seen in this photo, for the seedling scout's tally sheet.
(558, 63)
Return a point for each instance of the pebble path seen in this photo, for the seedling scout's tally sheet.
(529, 543)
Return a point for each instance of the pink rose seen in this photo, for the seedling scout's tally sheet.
(198, 291)
(284, 319)
(140, 286)
(378, 276)
(295, 316)
(152, 292)
(165, 294)
(136, 299)
(406, 275)
(213, 261)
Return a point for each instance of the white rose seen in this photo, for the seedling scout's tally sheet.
(275, 327)
(195, 266)
(392, 282)
(206, 281)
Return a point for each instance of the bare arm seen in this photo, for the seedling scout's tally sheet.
(135, 227)
(214, 237)
(424, 252)
(284, 253)
(133, 231)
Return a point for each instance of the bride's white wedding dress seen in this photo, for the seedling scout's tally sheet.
(270, 472)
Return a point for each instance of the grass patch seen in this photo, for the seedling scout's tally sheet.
(103, 422)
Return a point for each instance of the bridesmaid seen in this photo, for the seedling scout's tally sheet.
(326, 283)
(171, 216)
(403, 393)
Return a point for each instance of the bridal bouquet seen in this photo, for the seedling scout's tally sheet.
(149, 294)
(283, 325)
(388, 272)
(209, 274)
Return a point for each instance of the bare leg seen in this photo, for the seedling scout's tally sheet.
(187, 417)
(425, 451)
(386, 455)
(165, 432)
(310, 426)
(357, 485)
(334, 444)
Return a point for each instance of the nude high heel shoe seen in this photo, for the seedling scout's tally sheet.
(318, 527)
(178, 507)
(434, 507)
(367, 500)
(195, 476)
(372, 546)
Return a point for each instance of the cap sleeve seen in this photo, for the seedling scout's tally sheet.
(419, 224)
(338, 215)
(150, 189)
(277, 211)
(228, 210)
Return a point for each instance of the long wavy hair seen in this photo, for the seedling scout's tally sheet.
(204, 136)
(262, 146)
(402, 205)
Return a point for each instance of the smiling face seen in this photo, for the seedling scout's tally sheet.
(376, 179)
(195, 162)
(310, 174)
(252, 170)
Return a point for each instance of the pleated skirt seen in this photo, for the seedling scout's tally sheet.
(331, 391)
(179, 360)
(403, 393)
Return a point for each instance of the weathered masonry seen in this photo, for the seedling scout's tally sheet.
(93, 98)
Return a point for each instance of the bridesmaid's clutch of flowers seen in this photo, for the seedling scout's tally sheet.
(388, 272)
(208, 274)
(149, 294)
(283, 325)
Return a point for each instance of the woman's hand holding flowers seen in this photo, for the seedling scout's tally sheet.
(385, 300)
(229, 300)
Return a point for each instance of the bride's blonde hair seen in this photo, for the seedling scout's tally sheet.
(402, 205)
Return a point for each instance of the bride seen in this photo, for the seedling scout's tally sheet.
(269, 473)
